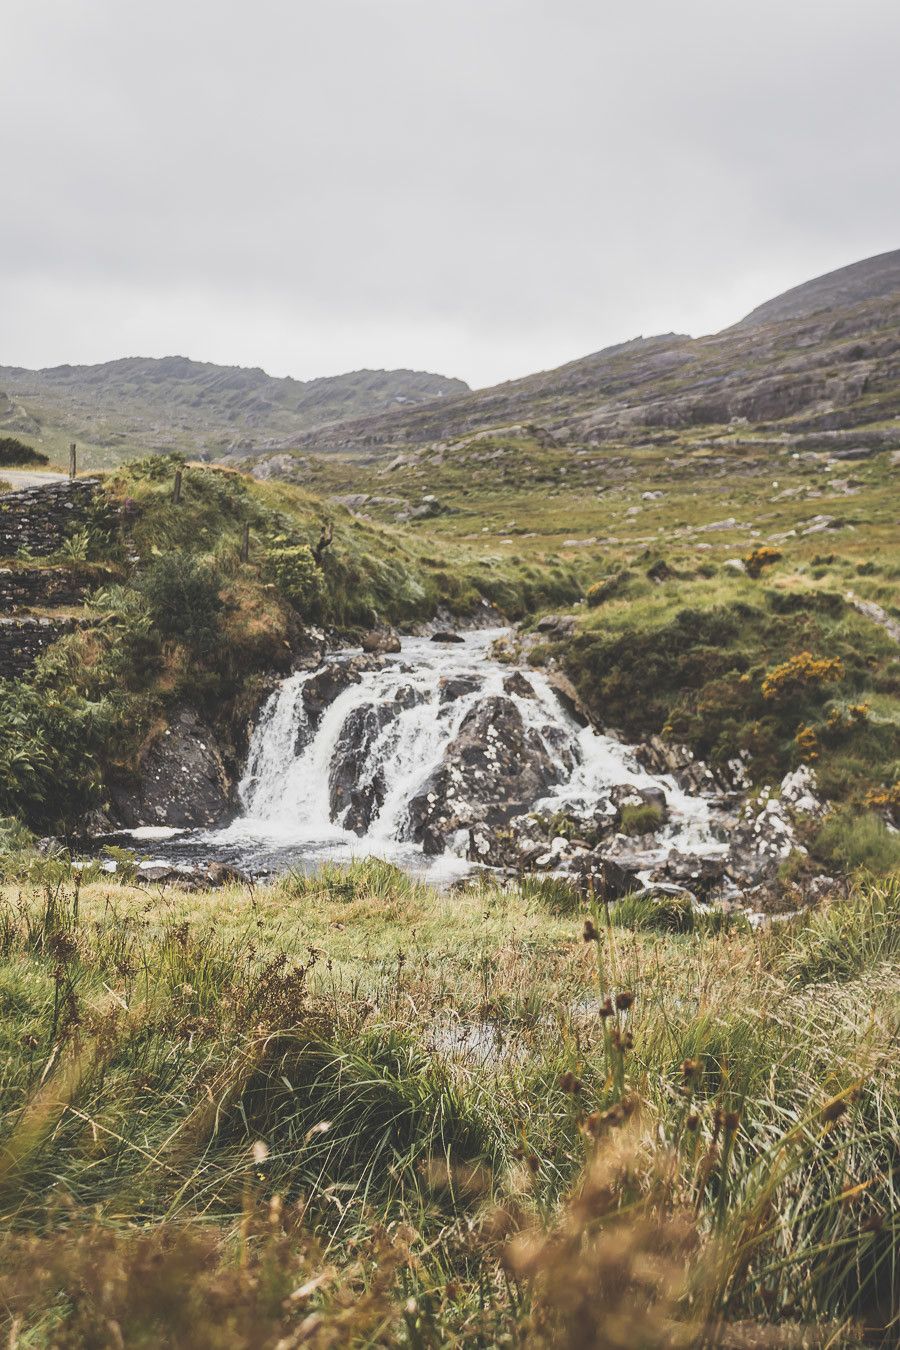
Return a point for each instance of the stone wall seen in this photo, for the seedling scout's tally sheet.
(27, 587)
(40, 519)
(23, 639)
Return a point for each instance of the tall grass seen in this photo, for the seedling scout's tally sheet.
(642, 1138)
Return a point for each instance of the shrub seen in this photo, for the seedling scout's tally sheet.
(886, 799)
(17, 452)
(292, 568)
(48, 770)
(182, 593)
(758, 558)
(604, 590)
(801, 673)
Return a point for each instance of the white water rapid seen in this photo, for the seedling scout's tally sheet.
(285, 794)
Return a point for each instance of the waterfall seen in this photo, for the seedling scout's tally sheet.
(286, 790)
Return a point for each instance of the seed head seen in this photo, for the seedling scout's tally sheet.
(624, 1000)
(590, 933)
(834, 1110)
(569, 1083)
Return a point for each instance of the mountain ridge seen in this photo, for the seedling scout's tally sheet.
(821, 358)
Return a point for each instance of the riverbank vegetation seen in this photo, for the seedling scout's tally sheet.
(349, 1110)
(184, 619)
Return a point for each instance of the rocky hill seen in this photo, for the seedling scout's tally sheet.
(204, 409)
(821, 363)
(871, 279)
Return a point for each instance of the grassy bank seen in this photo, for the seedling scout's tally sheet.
(350, 1110)
(184, 621)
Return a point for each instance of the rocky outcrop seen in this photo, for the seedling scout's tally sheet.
(494, 768)
(181, 779)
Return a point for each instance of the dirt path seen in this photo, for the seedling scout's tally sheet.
(24, 478)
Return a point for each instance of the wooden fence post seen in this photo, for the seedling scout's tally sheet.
(73, 463)
(176, 490)
(245, 545)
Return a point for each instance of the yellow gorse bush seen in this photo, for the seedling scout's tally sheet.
(801, 672)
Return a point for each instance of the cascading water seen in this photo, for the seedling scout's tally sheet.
(289, 814)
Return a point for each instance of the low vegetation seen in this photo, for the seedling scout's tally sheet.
(349, 1110)
(16, 453)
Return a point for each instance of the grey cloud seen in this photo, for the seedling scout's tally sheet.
(481, 186)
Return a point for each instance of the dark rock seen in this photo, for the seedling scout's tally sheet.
(516, 683)
(181, 779)
(619, 876)
(380, 642)
(354, 798)
(443, 636)
(323, 688)
(407, 696)
(157, 872)
(569, 697)
(701, 874)
(495, 768)
(556, 625)
(221, 874)
(457, 686)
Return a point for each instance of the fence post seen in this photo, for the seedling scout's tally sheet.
(73, 464)
(176, 490)
(245, 544)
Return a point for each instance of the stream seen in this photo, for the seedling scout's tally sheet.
(287, 818)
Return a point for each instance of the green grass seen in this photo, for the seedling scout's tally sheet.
(307, 1083)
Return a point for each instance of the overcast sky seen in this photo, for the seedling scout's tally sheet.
(478, 187)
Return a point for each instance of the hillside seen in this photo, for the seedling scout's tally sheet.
(172, 403)
(870, 279)
(815, 375)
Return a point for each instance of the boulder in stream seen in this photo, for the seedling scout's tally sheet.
(495, 767)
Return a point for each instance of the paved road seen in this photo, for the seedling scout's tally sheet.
(22, 478)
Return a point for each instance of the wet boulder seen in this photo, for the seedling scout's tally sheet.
(517, 684)
(326, 685)
(453, 687)
(355, 786)
(495, 768)
(445, 636)
(380, 641)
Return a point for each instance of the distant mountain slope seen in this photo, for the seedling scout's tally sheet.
(827, 372)
(873, 278)
(173, 402)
